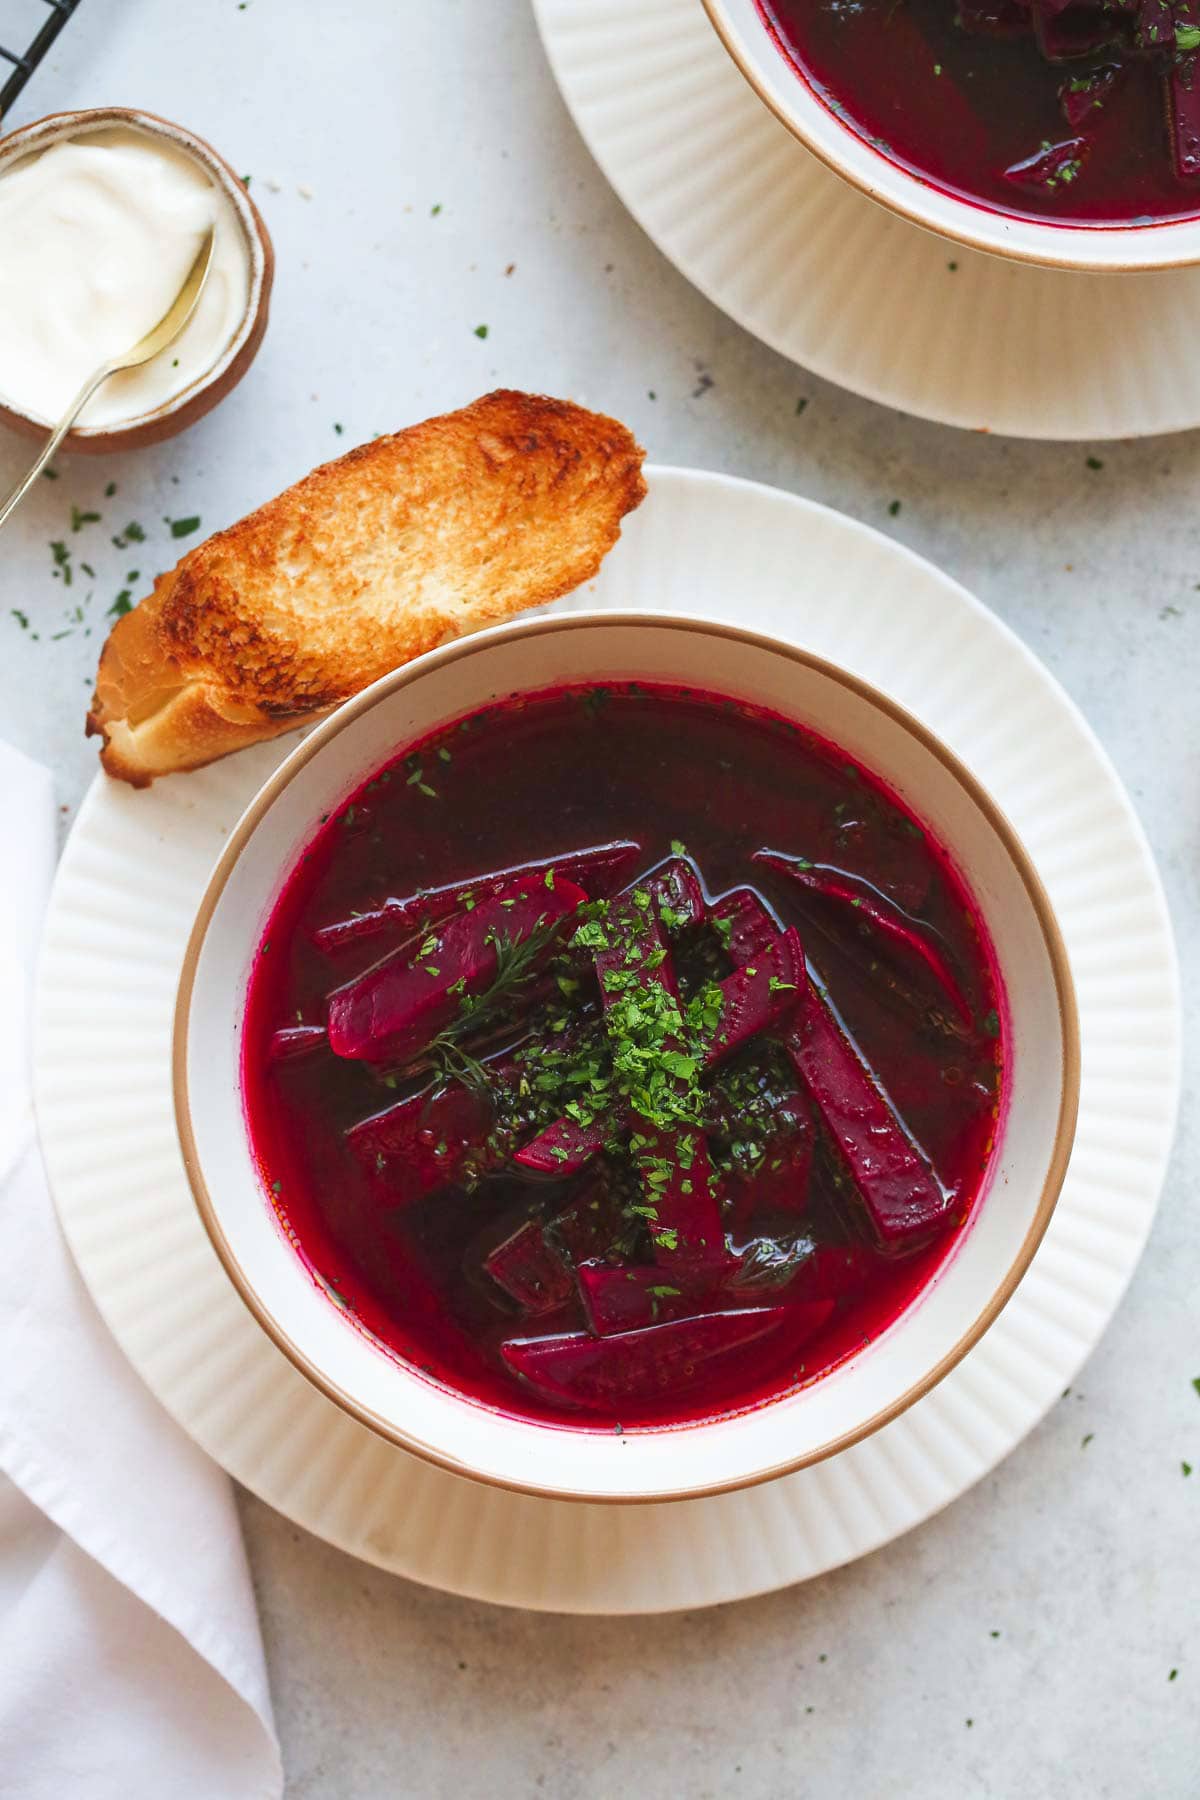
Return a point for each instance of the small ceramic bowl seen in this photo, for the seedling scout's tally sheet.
(1166, 244)
(1025, 1171)
(192, 402)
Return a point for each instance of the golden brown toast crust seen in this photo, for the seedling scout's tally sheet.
(397, 547)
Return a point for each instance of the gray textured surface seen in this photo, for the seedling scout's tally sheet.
(1083, 1557)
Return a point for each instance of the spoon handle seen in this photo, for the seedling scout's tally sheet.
(54, 440)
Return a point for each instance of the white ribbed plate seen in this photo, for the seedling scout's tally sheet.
(835, 282)
(130, 880)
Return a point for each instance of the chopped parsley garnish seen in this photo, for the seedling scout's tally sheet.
(181, 528)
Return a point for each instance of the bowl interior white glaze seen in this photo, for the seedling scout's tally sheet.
(1158, 245)
(1027, 1164)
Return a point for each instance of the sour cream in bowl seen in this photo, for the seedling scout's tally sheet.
(101, 215)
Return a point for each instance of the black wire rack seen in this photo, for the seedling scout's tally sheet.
(25, 62)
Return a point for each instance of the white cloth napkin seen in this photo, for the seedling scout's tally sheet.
(131, 1666)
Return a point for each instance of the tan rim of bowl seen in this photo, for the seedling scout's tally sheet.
(383, 690)
(1039, 258)
(184, 408)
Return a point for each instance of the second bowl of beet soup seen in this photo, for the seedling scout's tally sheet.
(1061, 133)
(618, 1085)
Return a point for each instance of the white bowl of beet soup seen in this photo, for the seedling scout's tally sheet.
(624, 1058)
(1058, 132)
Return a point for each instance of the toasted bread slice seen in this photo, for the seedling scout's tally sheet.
(399, 546)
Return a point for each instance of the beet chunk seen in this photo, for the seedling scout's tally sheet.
(393, 1011)
(676, 889)
(904, 1201)
(292, 1041)
(1082, 96)
(663, 1362)
(629, 1297)
(856, 902)
(780, 1183)
(597, 869)
(756, 997)
(529, 1270)
(1051, 169)
(1183, 116)
(423, 1143)
(590, 1225)
(681, 1204)
(744, 923)
(564, 1148)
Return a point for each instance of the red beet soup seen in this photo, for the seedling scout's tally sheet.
(622, 1056)
(1055, 109)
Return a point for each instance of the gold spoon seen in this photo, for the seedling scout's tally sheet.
(164, 333)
